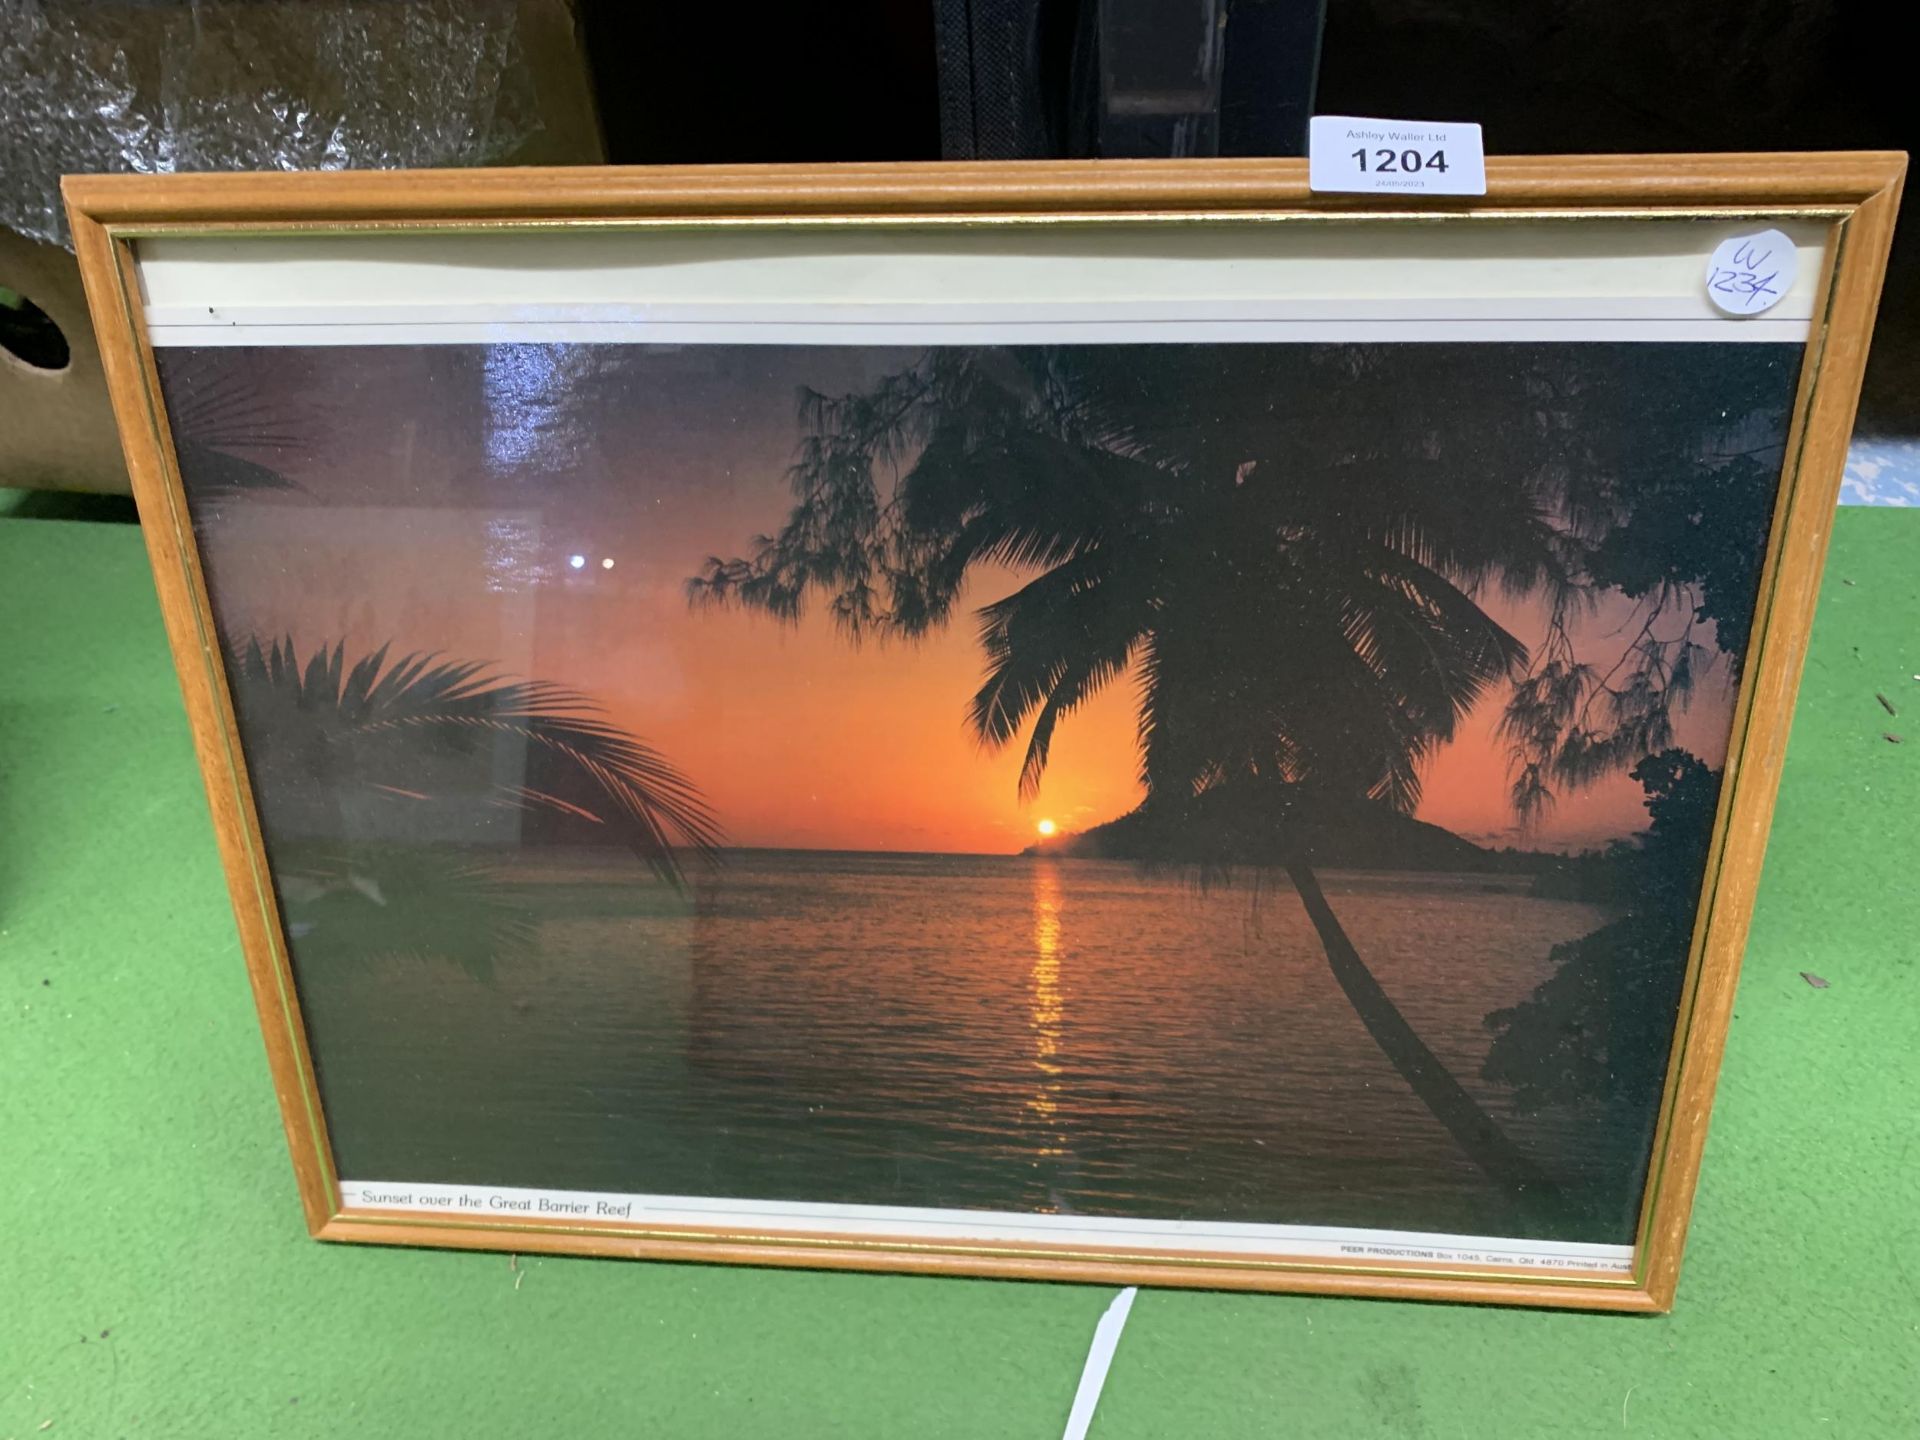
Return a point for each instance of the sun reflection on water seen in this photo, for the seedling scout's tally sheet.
(1044, 1008)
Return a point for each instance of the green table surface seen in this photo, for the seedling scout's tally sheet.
(155, 1278)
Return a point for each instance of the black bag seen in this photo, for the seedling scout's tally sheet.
(1028, 79)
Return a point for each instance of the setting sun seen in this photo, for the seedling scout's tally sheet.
(1046, 827)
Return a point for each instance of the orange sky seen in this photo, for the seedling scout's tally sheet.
(801, 739)
(796, 737)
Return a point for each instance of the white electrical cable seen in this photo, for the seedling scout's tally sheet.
(1093, 1376)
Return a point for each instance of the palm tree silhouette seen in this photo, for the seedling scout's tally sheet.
(1313, 634)
(228, 437)
(357, 768)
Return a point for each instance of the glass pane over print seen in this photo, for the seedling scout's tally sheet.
(1242, 782)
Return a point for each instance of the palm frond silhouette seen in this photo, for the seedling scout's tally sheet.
(228, 437)
(365, 726)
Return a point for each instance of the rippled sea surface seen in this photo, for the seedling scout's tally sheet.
(972, 1032)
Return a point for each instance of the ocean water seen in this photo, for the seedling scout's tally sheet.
(1028, 1034)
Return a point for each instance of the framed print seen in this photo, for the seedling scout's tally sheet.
(1117, 721)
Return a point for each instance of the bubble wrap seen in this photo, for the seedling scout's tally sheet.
(162, 85)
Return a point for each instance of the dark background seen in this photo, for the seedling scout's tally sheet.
(858, 80)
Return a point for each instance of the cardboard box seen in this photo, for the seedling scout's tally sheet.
(56, 426)
(58, 431)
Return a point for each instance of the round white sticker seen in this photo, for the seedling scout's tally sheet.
(1749, 274)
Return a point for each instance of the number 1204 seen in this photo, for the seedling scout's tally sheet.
(1410, 162)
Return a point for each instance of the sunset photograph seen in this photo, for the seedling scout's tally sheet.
(1266, 783)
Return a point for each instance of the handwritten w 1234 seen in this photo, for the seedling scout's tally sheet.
(1751, 273)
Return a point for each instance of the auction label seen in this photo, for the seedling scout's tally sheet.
(1399, 157)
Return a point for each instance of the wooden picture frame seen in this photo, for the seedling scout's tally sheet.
(1839, 208)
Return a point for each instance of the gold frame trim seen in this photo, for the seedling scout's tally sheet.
(943, 220)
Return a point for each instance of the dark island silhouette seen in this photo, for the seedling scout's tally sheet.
(1256, 826)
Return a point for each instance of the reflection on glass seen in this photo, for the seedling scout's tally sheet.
(530, 393)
